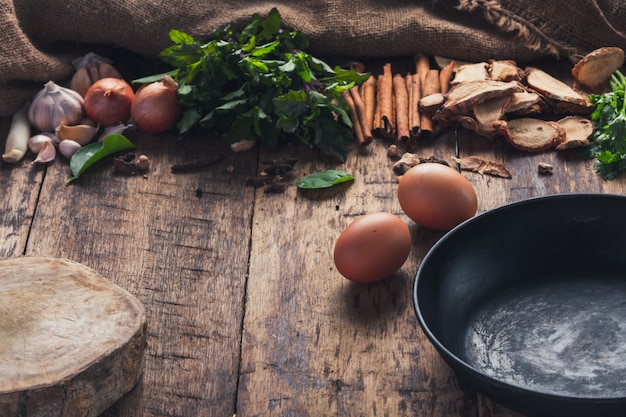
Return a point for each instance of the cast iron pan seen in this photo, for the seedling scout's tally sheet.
(527, 303)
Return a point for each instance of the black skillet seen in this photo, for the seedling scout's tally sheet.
(527, 303)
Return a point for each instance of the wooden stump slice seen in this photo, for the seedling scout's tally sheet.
(71, 342)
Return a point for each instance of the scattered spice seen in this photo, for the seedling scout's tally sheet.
(127, 164)
(196, 163)
(409, 160)
(279, 166)
(393, 151)
(406, 162)
(544, 168)
(481, 166)
(270, 184)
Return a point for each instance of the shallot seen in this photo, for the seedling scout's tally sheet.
(108, 100)
(155, 107)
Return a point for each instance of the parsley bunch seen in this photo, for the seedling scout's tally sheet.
(260, 84)
(608, 141)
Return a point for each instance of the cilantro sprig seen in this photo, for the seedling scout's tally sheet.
(608, 140)
(260, 84)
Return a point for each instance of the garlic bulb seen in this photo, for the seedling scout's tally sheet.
(54, 105)
(90, 69)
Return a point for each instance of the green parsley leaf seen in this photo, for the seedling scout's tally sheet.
(608, 140)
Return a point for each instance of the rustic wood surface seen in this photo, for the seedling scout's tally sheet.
(47, 306)
(246, 312)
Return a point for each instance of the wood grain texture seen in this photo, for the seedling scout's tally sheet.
(306, 326)
(71, 342)
(19, 200)
(246, 313)
(183, 255)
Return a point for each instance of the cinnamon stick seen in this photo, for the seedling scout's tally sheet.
(356, 125)
(414, 87)
(431, 85)
(385, 101)
(445, 75)
(376, 129)
(401, 102)
(359, 107)
(368, 93)
(422, 66)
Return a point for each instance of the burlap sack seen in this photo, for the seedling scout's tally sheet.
(41, 37)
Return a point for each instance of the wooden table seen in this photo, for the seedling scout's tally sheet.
(246, 312)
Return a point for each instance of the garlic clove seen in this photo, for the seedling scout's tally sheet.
(35, 143)
(243, 145)
(67, 147)
(46, 154)
(112, 130)
(83, 134)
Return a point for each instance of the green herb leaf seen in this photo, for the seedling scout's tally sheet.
(608, 140)
(88, 155)
(324, 179)
(261, 84)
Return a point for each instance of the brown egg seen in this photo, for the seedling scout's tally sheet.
(436, 196)
(372, 247)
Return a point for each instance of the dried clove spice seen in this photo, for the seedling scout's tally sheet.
(279, 166)
(127, 164)
(270, 184)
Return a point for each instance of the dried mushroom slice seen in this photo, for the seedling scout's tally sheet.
(578, 129)
(505, 70)
(564, 97)
(471, 72)
(523, 103)
(477, 164)
(462, 98)
(488, 112)
(593, 71)
(532, 135)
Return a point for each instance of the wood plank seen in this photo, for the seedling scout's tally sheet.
(315, 343)
(21, 184)
(184, 256)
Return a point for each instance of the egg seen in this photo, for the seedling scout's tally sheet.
(436, 196)
(372, 247)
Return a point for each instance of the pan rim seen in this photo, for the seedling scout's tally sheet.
(459, 364)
